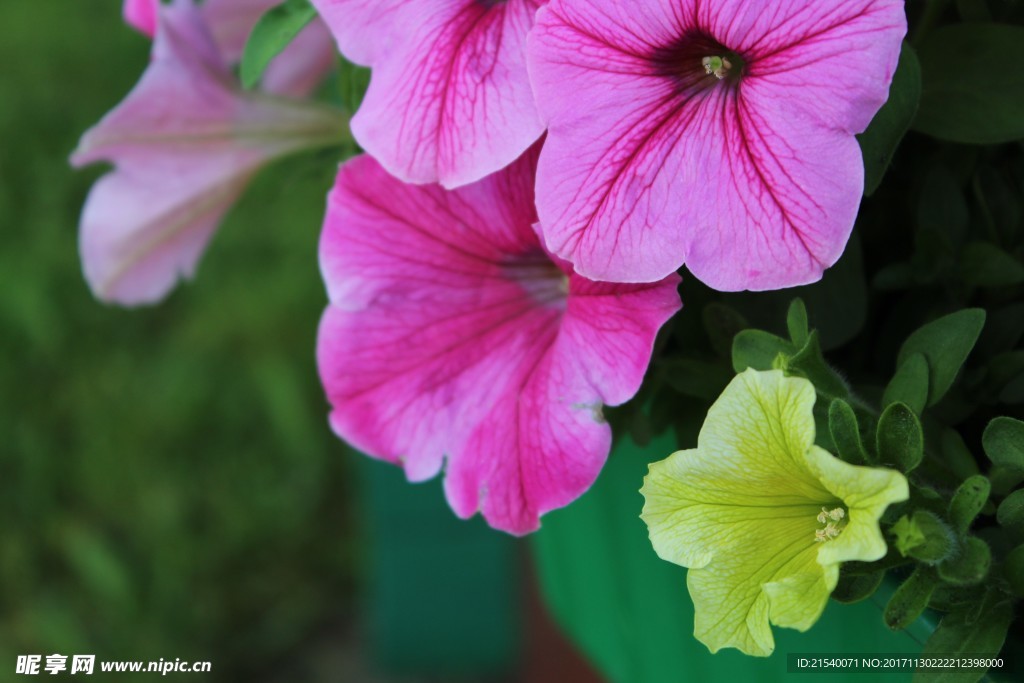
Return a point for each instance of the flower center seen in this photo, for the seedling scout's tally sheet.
(833, 522)
(542, 280)
(718, 67)
(697, 62)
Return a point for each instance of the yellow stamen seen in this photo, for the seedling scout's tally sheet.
(831, 519)
(716, 66)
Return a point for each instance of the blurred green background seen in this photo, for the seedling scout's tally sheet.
(170, 488)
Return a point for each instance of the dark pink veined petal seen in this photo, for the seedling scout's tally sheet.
(184, 143)
(753, 183)
(449, 99)
(451, 337)
(832, 62)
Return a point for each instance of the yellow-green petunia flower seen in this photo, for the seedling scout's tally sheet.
(762, 516)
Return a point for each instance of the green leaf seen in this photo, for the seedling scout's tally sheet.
(722, 323)
(856, 587)
(899, 438)
(910, 599)
(879, 142)
(924, 537)
(845, 431)
(1005, 377)
(956, 455)
(796, 322)
(837, 303)
(945, 344)
(909, 385)
(272, 34)
(968, 567)
(699, 379)
(352, 83)
(758, 349)
(1010, 513)
(810, 362)
(972, 83)
(968, 501)
(1003, 442)
(983, 264)
(1013, 569)
(958, 634)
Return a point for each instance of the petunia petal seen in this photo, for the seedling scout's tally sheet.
(185, 143)
(753, 184)
(741, 511)
(141, 15)
(823, 61)
(451, 335)
(449, 99)
(866, 491)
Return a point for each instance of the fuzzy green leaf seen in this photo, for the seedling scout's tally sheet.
(856, 587)
(968, 501)
(956, 455)
(796, 323)
(968, 567)
(810, 362)
(910, 384)
(1011, 513)
(945, 344)
(1003, 442)
(1013, 569)
(910, 599)
(924, 537)
(899, 438)
(758, 349)
(961, 633)
(845, 432)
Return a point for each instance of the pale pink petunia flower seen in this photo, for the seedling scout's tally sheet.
(453, 339)
(718, 134)
(185, 143)
(449, 98)
(295, 72)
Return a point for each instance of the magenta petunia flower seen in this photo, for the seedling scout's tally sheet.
(449, 98)
(295, 72)
(185, 143)
(715, 134)
(454, 340)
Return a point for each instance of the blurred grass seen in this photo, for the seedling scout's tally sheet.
(168, 486)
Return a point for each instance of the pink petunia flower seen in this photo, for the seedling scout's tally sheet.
(449, 99)
(185, 143)
(453, 339)
(141, 15)
(715, 134)
(295, 72)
